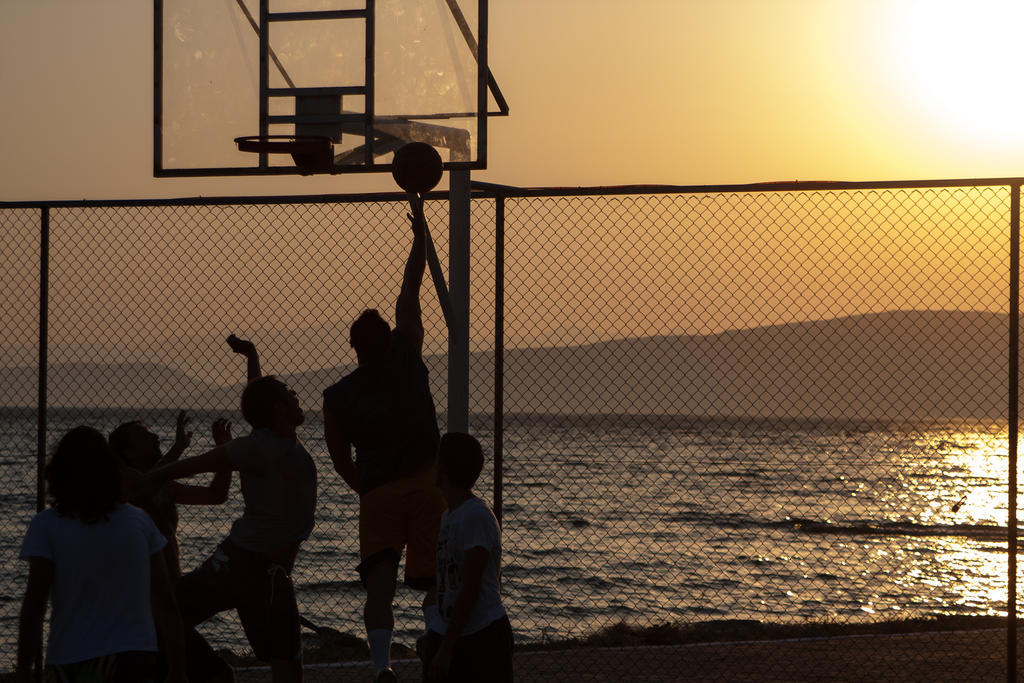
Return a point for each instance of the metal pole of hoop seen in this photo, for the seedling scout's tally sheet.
(417, 168)
(434, 263)
(454, 301)
(458, 326)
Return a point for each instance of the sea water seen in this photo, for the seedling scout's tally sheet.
(644, 520)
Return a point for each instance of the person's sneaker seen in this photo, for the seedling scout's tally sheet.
(385, 676)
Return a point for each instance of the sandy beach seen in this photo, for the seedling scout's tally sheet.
(936, 656)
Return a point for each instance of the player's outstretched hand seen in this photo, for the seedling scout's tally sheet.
(416, 218)
(221, 429)
(182, 436)
(242, 346)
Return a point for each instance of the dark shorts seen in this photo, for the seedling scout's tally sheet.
(482, 656)
(258, 586)
(122, 667)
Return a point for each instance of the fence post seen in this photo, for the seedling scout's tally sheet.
(44, 312)
(499, 353)
(1011, 523)
(458, 280)
(44, 301)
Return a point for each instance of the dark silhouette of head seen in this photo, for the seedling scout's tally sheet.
(460, 459)
(83, 476)
(370, 336)
(269, 402)
(135, 446)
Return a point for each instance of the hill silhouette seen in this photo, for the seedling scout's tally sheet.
(890, 366)
(899, 365)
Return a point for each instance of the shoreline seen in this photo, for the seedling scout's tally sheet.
(332, 648)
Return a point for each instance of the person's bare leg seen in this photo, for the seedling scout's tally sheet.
(381, 584)
(378, 616)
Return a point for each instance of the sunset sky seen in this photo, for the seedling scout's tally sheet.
(601, 92)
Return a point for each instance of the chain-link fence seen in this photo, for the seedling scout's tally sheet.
(730, 423)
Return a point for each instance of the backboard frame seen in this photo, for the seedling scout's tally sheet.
(386, 132)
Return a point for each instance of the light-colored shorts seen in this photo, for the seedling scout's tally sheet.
(404, 514)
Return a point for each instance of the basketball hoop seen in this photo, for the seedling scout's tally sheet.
(311, 153)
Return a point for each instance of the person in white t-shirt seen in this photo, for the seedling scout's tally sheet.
(477, 641)
(99, 560)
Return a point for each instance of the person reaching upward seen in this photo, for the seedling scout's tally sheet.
(385, 411)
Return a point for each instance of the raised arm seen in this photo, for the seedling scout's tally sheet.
(211, 461)
(408, 316)
(340, 449)
(182, 439)
(216, 492)
(247, 349)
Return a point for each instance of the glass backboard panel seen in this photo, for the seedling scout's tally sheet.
(369, 74)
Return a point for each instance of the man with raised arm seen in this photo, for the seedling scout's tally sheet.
(250, 570)
(384, 410)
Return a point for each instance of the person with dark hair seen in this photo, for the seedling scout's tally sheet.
(99, 561)
(250, 571)
(385, 410)
(137, 448)
(476, 641)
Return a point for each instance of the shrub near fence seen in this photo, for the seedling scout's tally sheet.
(716, 411)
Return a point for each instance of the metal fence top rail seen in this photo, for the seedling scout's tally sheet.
(491, 190)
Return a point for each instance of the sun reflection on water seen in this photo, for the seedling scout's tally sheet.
(968, 471)
(970, 564)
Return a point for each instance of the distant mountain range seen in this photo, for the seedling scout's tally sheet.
(901, 365)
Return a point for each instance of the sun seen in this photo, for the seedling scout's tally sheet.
(956, 61)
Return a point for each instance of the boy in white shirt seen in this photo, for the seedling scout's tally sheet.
(477, 641)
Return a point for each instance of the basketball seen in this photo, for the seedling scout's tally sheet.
(417, 167)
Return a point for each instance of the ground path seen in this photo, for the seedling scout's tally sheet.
(935, 656)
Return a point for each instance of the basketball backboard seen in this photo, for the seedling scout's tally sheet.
(371, 75)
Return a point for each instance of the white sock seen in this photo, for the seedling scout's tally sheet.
(380, 648)
(432, 619)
